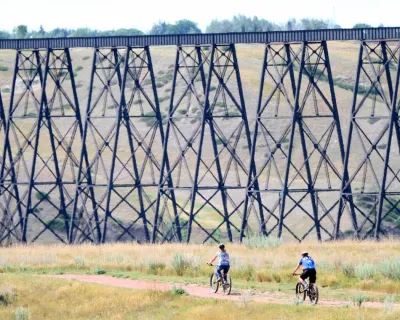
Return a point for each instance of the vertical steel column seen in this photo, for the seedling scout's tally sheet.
(346, 194)
(373, 118)
(291, 139)
(101, 122)
(10, 188)
(165, 185)
(200, 148)
(394, 118)
(84, 164)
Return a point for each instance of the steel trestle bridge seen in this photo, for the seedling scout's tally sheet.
(204, 162)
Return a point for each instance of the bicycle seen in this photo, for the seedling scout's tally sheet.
(226, 282)
(311, 292)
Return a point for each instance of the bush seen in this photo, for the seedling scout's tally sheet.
(388, 306)
(262, 242)
(348, 270)
(179, 263)
(5, 90)
(7, 296)
(42, 196)
(56, 224)
(78, 68)
(365, 271)
(2, 68)
(100, 271)
(178, 291)
(86, 58)
(155, 267)
(390, 268)
(22, 313)
(358, 299)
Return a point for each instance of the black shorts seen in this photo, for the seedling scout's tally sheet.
(309, 273)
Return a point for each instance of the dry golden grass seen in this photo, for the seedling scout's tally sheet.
(57, 299)
(249, 266)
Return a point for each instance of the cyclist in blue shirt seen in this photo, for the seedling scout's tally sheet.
(223, 261)
(309, 271)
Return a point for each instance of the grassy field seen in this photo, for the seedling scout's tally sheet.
(345, 270)
(55, 299)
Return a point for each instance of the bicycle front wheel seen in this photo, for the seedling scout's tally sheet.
(314, 295)
(227, 285)
(214, 284)
(300, 292)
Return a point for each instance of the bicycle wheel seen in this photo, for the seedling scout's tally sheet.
(313, 294)
(214, 284)
(300, 292)
(227, 285)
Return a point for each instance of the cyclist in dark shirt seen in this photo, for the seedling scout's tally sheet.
(309, 271)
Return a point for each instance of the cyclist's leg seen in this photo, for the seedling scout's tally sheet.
(227, 270)
(313, 276)
(303, 277)
(218, 272)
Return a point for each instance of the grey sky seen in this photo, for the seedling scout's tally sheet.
(114, 14)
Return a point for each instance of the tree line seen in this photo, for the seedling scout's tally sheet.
(239, 23)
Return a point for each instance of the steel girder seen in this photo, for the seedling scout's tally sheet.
(41, 150)
(117, 189)
(207, 171)
(298, 169)
(190, 172)
(372, 163)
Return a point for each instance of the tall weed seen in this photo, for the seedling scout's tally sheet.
(180, 263)
(365, 271)
(22, 313)
(262, 242)
(390, 269)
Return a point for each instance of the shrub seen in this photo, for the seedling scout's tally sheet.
(388, 304)
(22, 313)
(348, 270)
(358, 299)
(42, 196)
(179, 263)
(2, 68)
(56, 224)
(154, 267)
(5, 90)
(262, 242)
(178, 291)
(78, 68)
(100, 271)
(7, 296)
(86, 58)
(390, 268)
(79, 260)
(365, 271)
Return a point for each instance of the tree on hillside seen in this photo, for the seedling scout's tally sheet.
(20, 31)
(180, 27)
(361, 25)
(4, 35)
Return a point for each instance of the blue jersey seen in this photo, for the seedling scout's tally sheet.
(223, 258)
(307, 263)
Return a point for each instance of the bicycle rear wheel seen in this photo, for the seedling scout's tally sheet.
(214, 284)
(300, 292)
(227, 285)
(313, 294)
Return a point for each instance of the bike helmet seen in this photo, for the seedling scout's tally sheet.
(221, 246)
(304, 253)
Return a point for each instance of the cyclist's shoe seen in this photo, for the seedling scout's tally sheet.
(219, 279)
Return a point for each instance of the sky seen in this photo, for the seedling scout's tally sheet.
(115, 14)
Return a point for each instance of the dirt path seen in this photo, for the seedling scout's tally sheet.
(204, 292)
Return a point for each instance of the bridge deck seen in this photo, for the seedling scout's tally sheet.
(207, 38)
